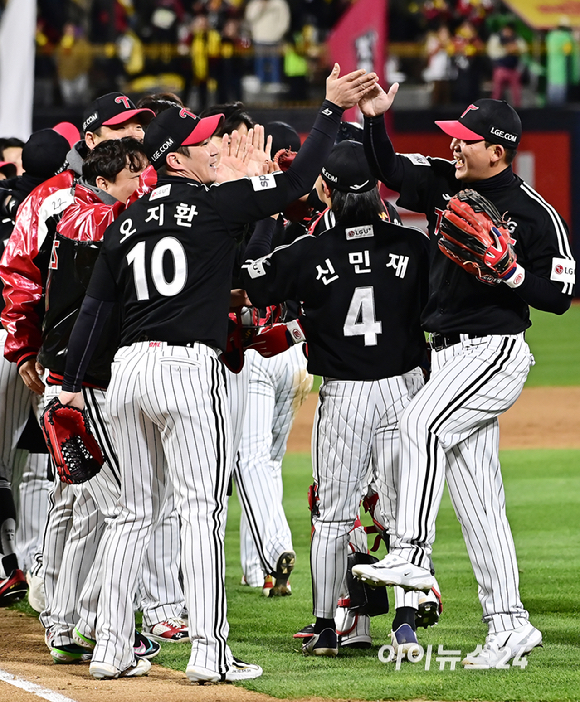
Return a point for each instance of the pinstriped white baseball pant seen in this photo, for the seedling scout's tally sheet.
(171, 423)
(354, 441)
(22, 472)
(278, 387)
(73, 569)
(450, 431)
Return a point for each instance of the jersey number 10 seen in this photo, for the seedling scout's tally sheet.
(168, 288)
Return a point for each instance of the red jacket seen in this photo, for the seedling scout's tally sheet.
(23, 268)
(24, 264)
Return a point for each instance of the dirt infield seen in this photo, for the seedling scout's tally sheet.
(542, 418)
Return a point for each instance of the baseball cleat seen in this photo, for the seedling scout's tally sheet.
(501, 648)
(306, 633)
(430, 608)
(13, 588)
(145, 647)
(323, 644)
(82, 640)
(238, 671)
(104, 671)
(394, 570)
(353, 629)
(70, 653)
(284, 566)
(404, 639)
(173, 630)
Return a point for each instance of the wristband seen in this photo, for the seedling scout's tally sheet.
(296, 331)
(516, 278)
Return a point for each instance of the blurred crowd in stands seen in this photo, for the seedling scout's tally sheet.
(209, 51)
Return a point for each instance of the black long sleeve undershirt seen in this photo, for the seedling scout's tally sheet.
(381, 154)
(89, 325)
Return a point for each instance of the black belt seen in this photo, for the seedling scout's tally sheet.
(438, 342)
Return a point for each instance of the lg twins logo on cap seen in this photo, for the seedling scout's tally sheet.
(471, 107)
(183, 113)
(125, 100)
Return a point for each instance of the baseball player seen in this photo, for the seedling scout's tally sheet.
(111, 116)
(277, 387)
(111, 174)
(362, 285)
(167, 399)
(43, 155)
(480, 360)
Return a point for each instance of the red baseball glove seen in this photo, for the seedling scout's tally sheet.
(475, 236)
(71, 443)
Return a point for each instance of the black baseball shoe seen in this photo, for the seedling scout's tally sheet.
(284, 567)
(323, 644)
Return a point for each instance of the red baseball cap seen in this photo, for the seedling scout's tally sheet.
(68, 131)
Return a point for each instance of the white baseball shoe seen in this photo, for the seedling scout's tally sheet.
(238, 671)
(394, 570)
(104, 671)
(501, 648)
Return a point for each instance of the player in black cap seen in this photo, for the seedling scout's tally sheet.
(362, 285)
(168, 260)
(480, 359)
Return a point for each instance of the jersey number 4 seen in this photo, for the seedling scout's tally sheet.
(168, 245)
(360, 318)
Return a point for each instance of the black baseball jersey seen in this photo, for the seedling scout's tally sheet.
(69, 273)
(459, 302)
(361, 290)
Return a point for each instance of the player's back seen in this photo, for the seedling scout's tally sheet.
(362, 295)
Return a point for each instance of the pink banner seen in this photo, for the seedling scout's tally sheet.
(359, 40)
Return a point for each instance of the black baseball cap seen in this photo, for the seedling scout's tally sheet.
(112, 109)
(284, 136)
(176, 127)
(44, 153)
(347, 169)
(492, 120)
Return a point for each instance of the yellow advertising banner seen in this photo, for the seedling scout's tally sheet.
(545, 14)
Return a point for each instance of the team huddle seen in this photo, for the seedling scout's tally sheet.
(172, 282)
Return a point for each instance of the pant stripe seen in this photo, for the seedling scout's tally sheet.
(502, 358)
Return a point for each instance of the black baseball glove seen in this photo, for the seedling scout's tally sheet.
(475, 236)
(71, 443)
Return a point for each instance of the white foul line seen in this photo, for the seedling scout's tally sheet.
(42, 692)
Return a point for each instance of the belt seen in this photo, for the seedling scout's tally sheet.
(438, 342)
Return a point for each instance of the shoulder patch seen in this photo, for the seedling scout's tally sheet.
(263, 182)
(417, 159)
(161, 191)
(563, 270)
(360, 232)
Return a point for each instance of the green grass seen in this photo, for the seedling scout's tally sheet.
(543, 497)
(555, 343)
